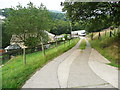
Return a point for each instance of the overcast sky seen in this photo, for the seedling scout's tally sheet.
(50, 4)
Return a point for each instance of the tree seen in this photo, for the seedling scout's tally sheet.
(5, 36)
(28, 23)
(57, 16)
(106, 13)
(60, 27)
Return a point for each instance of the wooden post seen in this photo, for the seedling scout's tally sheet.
(105, 32)
(24, 56)
(64, 41)
(92, 36)
(99, 36)
(114, 31)
(69, 42)
(56, 44)
(110, 33)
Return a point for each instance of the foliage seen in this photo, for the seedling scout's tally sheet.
(97, 15)
(4, 12)
(60, 27)
(27, 22)
(57, 16)
(5, 37)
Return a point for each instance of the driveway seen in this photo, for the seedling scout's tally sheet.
(69, 70)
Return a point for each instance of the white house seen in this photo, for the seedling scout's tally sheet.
(78, 33)
(17, 40)
(51, 36)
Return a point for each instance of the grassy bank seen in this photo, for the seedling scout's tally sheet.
(108, 47)
(15, 73)
(82, 45)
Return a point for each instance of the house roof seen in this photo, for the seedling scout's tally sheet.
(78, 32)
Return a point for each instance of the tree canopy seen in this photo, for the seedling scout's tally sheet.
(28, 23)
(97, 15)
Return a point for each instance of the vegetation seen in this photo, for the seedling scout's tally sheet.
(83, 44)
(60, 27)
(27, 24)
(15, 73)
(95, 16)
(108, 47)
(5, 37)
(57, 16)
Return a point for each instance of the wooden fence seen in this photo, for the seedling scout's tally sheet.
(4, 57)
(112, 33)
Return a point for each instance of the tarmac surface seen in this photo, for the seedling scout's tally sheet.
(75, 69)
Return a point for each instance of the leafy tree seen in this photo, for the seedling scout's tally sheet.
(60, 27)
(94, 13)
(28, 23)
(5, 37)
(57, 16)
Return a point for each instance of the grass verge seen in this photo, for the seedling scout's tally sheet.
(108, 47)
(82, 44)
(15, 73)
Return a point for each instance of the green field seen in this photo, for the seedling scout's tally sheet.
(15, 73)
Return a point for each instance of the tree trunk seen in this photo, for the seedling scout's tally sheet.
(24, 56)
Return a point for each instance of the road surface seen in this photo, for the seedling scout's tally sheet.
(69, 70)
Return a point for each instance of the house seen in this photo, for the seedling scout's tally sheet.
(78, 33)
(51, 36)
(16, 39)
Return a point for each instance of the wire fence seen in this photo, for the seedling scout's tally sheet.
(6, 56)
(106, 32)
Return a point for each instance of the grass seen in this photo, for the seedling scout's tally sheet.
(15, 73)
(83, 45)
(108, 47)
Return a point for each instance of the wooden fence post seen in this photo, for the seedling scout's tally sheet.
(105, 32)
(56, 45)
(114, 31)
(99, 36)
(92, 36)
(69, 42)
(24, 56)
(110, 33)
(64, 41)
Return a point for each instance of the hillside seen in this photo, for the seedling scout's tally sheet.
(108, 46)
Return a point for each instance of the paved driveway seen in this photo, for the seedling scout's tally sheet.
(69, 70)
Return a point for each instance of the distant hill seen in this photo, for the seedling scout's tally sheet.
(55, 11)
(55, 15)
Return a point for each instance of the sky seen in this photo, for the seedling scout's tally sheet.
(50, 4)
